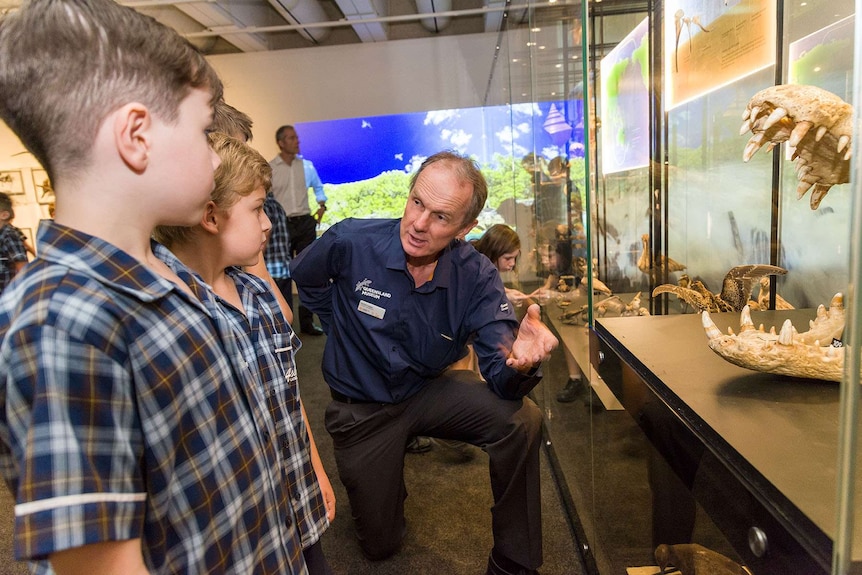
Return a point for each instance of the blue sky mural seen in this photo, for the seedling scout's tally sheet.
(356, 149)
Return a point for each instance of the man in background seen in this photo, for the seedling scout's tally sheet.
(13, 251)
(292, 175)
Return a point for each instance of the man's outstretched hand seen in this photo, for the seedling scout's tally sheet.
(534, 343)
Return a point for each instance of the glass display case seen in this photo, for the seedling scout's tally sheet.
(668, 442)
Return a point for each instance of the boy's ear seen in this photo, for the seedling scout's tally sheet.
(210, 219)
(132, 124)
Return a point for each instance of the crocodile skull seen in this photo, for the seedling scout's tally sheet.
(817, 123)
(808, 354)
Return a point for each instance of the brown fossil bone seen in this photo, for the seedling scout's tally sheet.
(647, 265)
(617, 306)
(763, 297)
(817, 123)
(694, 559)
(735, 289)
(613, 304)
(808, 354)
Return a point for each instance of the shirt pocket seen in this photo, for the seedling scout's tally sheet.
(435, 348)
(284, 396)
(284, 351)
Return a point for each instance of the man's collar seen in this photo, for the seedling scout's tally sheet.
(397, 260)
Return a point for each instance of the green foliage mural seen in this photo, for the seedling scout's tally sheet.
(384, 196)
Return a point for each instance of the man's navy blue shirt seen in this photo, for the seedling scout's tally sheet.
(387, 338)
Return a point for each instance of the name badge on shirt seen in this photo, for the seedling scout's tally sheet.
(371, 309)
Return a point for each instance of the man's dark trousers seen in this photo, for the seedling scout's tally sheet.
(303, 231)
(370, 440)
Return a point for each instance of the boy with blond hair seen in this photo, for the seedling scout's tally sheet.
(229, 237)
(130, 441)
(13, 251)
(276, 256)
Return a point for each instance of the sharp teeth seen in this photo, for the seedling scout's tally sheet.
(750, 150)
(837, 302)
(786, 335)
(798, 133)
(774, 118)
(746, 113)
(817, 194)
(730, 331)
(821, 131)
(847, 155)
(842, 142)
(745, 323)
(772, 330)
(712, 332)
(746, 126)
(755, 110)
(770, 146)
(802, 188)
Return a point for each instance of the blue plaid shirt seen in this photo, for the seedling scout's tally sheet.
(11, 251)
(277, 251)
(264, 345)
(122, 417)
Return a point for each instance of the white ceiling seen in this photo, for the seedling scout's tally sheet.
(231, 26)
(228, 26)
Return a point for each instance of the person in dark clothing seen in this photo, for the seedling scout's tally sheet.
(399, 300)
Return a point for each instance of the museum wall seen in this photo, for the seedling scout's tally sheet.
(334, 82)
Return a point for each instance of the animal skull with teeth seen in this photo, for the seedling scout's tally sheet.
(735, 289)
(809, 354)
(817, 123)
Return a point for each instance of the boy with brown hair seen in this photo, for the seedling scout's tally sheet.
(230, 236)
(13, 252)
(129, 439)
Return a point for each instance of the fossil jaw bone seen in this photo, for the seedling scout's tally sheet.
(807, 354)
(817, 123)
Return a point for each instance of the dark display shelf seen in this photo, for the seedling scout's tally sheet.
(765, 446)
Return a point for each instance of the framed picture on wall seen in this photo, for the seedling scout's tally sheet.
(42, 185)
(46, 211)
(11, 182)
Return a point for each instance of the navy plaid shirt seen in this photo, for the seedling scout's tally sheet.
(122, 417)
(264, 346)
(11, 251)
(277, 251)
